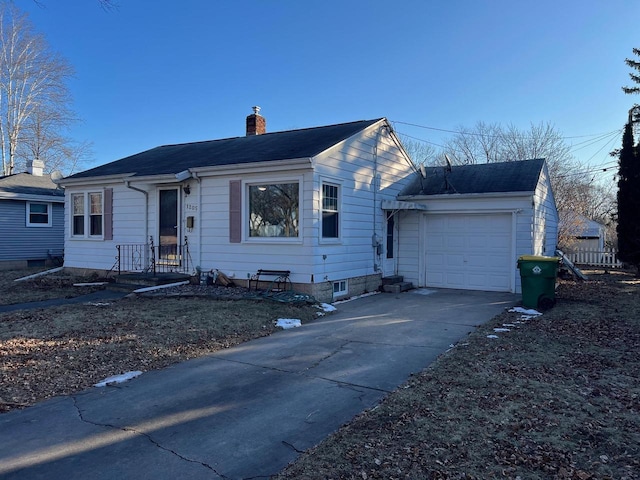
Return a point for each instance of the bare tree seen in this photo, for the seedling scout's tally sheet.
(576, 194)
(480, 144)
(421, 153)
(34, 99)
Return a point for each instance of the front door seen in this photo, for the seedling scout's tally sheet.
(168, 223)
(390, 245)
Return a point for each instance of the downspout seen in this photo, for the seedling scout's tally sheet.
(146, 208)
(375, 239)
(199, 216)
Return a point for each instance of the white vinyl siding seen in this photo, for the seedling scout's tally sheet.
(128, 227)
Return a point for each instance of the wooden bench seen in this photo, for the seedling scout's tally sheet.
(279, 280)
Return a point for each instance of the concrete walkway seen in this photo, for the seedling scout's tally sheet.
(248, 411)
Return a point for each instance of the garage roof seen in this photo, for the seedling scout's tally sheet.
(518, 176)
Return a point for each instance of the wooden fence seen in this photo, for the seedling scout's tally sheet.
(607, 258)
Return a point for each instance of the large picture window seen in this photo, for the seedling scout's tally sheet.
(38, 214)
(330, 211)
(274, 210)
(87, 214)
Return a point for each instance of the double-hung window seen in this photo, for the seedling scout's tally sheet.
(330, 211)
(87, 214)
(38, 214)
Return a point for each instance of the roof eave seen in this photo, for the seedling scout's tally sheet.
(465, 195)
(31, 197)
(99, 180)
(271, 166)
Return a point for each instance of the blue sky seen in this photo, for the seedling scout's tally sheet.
(161, 72)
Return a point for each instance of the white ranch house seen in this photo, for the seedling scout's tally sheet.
(339, 206)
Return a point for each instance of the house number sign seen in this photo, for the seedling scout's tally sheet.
(191, 207)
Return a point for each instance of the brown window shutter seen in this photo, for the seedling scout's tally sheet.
(235, 211)
(108, 213)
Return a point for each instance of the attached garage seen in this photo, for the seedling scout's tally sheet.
(473, 223)
(469, 252)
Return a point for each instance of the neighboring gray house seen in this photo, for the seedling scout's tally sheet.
(31, 219)
(588, 234)
(465, 226)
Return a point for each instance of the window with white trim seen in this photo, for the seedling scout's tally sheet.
(87, 214)
(274, 210)
(38, 214)
(340, 287)
(330, 211)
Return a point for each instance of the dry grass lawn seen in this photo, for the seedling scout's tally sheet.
(63, 350)
(54, 285)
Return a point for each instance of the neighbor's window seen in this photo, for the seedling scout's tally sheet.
(274, 210)
(87, 212)
(38, 214)
(330, 213)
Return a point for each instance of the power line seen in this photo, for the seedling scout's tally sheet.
(493, 136)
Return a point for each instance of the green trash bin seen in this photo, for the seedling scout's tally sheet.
(538, 275)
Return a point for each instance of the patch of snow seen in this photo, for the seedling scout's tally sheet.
(356, 297)
(501, 330)
(327, 307)
(509, 324)
(524, 311)
(422, 291)
(286, 323)
(492, 336)
(118, 378)
(99, 304)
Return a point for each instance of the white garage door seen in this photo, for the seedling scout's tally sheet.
(471, 252)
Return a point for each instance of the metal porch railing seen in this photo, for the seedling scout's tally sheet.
(149, 258)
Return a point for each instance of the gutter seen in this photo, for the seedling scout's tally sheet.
(127, 183)
(464, 195)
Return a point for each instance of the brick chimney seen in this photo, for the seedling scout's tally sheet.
(256, 123)
(35, 167)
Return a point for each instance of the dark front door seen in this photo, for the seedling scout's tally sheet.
(168, 225)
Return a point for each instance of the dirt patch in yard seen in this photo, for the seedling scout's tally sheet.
(555, 396)
(63, 350)
(54, 285)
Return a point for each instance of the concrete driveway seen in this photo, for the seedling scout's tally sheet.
(248, 411)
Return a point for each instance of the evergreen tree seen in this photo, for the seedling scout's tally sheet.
(629, 198)
(635, 64)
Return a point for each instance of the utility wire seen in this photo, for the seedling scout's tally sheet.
(493, 136)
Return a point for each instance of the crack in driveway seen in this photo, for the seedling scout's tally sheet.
(144, 434)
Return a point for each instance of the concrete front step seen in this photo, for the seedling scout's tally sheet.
(398, 287)
(391, 279)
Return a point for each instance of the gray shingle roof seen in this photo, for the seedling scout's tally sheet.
(171, 159)
(27, 184)
(520, 176)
